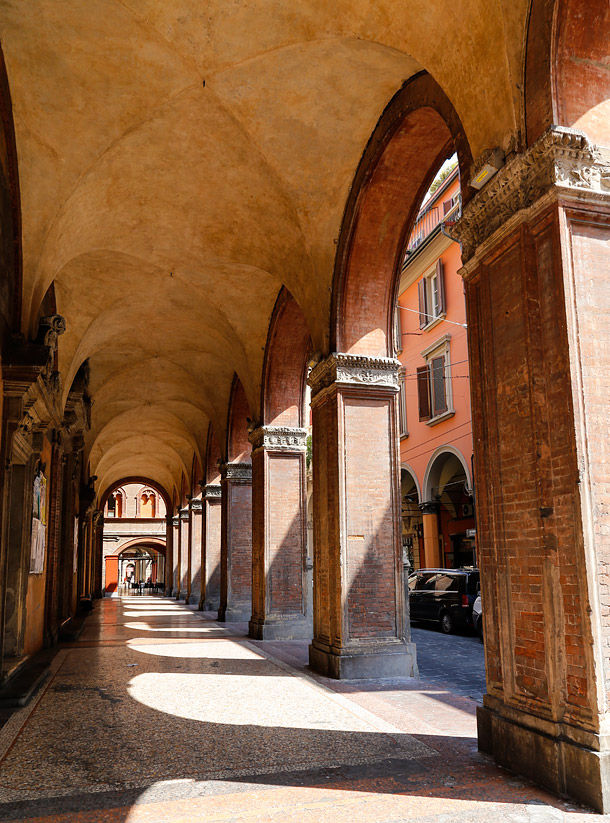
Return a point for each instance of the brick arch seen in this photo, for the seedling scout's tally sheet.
(212, 456)
(566, 76)
(238, 445)
(146, 542)
(417, 132)
(285, 368)
(146, 481)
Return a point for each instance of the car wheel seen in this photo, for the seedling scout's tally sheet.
(446, 622)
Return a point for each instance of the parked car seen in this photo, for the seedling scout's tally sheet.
(445, 596)
(477, 617)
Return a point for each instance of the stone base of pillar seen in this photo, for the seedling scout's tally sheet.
(281, 628)
(181, 595)
(234, 614)
(544, 754)
(369, 662)
(192, 599)
(209, 604)
(168, 592)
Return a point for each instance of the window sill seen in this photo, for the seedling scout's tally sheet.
(404, 436)
(440, 417)
(435, 322)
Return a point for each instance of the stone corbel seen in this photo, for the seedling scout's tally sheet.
(184, 514)
(196, 505)
(237, 472)
(563, 161)
(278, 438)
(213, 491)
(353, 369)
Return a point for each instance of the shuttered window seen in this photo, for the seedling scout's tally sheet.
(431, 295)
(422, 293)
(402, 407)
(439, 395)
(423, 392)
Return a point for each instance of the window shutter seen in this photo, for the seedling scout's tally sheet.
(440, 276)
(402, 400)
(397, 330)
(439, 395)
(423, 392)
(423, 303)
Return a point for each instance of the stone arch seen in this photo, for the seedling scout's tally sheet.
(418, 130)
(405, 467)
(566, 76)
(285, 367)
(434, 466)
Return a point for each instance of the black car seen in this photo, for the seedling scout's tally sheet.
(445, 596)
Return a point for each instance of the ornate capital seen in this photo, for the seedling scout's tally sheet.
(236, 472)
(98, 519)
(430, 507)
(175, 521)
(562, 159)
(213, 491)
(184, 514)
(279, 438)
(196, 504)
(354, 369)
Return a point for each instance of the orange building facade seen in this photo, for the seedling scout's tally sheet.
(438, 526)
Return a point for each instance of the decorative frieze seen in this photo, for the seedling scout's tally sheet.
(184, 514)
(213, 491)
(279, 438)
(196, 504)
(354, 369)
(563, 159)
(236, 471)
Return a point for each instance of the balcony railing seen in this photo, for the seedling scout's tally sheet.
(429, 220)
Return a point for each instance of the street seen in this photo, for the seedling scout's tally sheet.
(455, 661)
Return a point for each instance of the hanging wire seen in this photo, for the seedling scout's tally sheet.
(432, 316)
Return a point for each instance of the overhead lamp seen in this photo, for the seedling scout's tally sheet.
(490, 162)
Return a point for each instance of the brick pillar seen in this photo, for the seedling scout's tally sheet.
(279, 534)
(184, 579)
(430, 511)
(537, 245)
(210, 594)
(360, 626)
(196, 507)
(176, 565)
(236, 543)
(169, 555)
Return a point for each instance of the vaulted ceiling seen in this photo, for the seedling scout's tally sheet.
(179, 161)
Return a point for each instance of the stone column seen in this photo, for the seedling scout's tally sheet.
(359, 608)
(430, 510)
(196, 507)
(212, 505)
(176, 566)
(236, 543)
(536, 242)
(97, 554)
(184, 572)
(169, 555)
(279, 534)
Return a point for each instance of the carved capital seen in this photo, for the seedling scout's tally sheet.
(196, 504)
(430, 507)
(213, 491)
(279, 438)
(354, 369)
(236, 472)
(563, 160)
(175, 521)
(98, 519)
(184, 514)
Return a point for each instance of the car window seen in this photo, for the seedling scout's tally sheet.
(447, 583)
(425, 582)
(473, 583)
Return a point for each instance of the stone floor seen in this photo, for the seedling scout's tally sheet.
(159, 713)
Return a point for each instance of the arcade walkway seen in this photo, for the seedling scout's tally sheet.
(158, 713)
